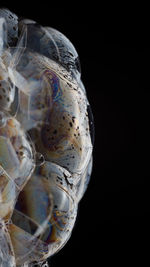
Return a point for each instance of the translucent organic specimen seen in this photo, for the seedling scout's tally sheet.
(46, 135)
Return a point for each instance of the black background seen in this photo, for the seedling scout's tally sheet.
(114, 51)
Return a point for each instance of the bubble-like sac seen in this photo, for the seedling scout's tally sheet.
(46, 140)
(16, 164)
(45, 198)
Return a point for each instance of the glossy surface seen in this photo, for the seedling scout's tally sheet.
(46, 140)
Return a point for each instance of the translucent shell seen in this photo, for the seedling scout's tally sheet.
(57, 113)
(46, 140)
(54, 45)
(16, 164)
(83, 181)
(44, 215)
(9, 57)
(12, 25)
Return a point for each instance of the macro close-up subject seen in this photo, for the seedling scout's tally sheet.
(46, 140)
(74, 134)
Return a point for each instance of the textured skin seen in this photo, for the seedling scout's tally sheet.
(46, 140)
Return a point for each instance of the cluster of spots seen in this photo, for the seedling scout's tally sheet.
(46, 129)
(63, 135)
(12, 25)
(6, 94)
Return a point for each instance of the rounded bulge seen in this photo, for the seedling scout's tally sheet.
(44, 215)
(16, 164)
(54, 112)
(64, 139)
